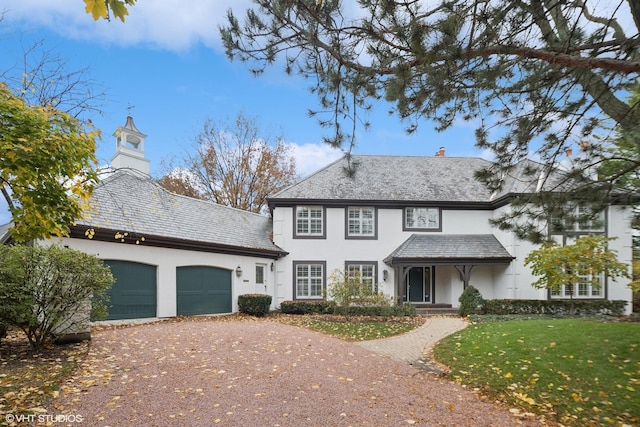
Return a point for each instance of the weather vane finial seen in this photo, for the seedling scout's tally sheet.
(129, 108)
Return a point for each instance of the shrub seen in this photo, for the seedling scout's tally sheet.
(469, 301)
(308, 307)
(348, 291)
(254, 304)
(49, 291)
(558, 307)
(3, 331)
(379, 310)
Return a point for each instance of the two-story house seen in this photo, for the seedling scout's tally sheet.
(414, 227)
(418, 229)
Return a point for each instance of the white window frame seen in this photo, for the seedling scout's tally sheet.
(581, 290)
(309, 222)
(357, 222)
(427, 218)
(361, 267)
(312, 280)
(592, 226)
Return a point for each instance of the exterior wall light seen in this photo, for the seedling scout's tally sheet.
(385, 275)
(239, 271)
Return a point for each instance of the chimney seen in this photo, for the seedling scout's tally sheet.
(568, 152)
(440, 152)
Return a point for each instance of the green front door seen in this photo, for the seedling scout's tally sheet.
(418, 285)
(134, 294)
(203, 290)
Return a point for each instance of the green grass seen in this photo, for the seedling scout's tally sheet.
(576, 371)
(360, 328)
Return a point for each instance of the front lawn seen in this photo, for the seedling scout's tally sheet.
(355, 328)
(576, 371)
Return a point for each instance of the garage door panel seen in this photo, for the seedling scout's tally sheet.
(203, 290)
(134, 295)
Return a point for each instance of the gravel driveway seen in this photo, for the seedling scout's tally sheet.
(257, 373)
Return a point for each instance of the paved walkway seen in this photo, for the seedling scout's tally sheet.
(414, 347)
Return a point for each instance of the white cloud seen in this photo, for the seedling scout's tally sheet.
(173, 25)
(312, 157)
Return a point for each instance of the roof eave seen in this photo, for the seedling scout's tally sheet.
(107, 235)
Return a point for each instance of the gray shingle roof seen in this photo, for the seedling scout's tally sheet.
(134, 203)
(409, 178)
(449, 248)
(394, 178)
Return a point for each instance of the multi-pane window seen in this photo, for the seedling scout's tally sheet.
(260, 274)
(309, 280)
(366, 272)
(309, 221)
(581, 220)
(588, 222)
(422, 218)
(361, 222)
(585, 289)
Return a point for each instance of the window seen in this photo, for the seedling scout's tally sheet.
(309, 280)
(361, 222)
(580, 220)
(588, 222)
(366, 271)
(583, 290)
(422, 219)
(260, 274)
(309, 221)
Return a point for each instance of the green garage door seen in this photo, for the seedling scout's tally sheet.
(134, 294)
(203, 290)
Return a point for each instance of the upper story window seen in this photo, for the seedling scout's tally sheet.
(582, 221)
(422, 219)
(361, 222)
(310, 222)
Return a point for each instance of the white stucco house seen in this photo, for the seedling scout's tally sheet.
(415, 227)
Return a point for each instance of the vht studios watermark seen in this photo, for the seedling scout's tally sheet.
(43, 418)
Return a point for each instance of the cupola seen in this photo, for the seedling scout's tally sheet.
(130, 148)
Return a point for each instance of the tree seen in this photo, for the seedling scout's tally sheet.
(47, 291)
(234, 165)
(47, 161)
(105, 8)
(42, 77)
(348, 290)
(584, 261)
(539, 76)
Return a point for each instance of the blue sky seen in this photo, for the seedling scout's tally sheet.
(167, 61)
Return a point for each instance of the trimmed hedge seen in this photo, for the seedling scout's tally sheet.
(330, 307)
(555, 307)
(254, 304)
(308, 307)
(379, 310)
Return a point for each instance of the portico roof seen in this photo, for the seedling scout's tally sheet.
(451, 249)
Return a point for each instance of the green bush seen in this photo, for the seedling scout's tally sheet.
(378, 310)
(308, 307)
(254, 304)
(51, 291)
(560, 307)
(469, 301)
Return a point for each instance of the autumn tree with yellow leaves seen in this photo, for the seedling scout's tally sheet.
(47, 167)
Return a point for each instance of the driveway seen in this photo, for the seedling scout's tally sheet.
(203, 372)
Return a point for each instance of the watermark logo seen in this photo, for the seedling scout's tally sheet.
(43, 418)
